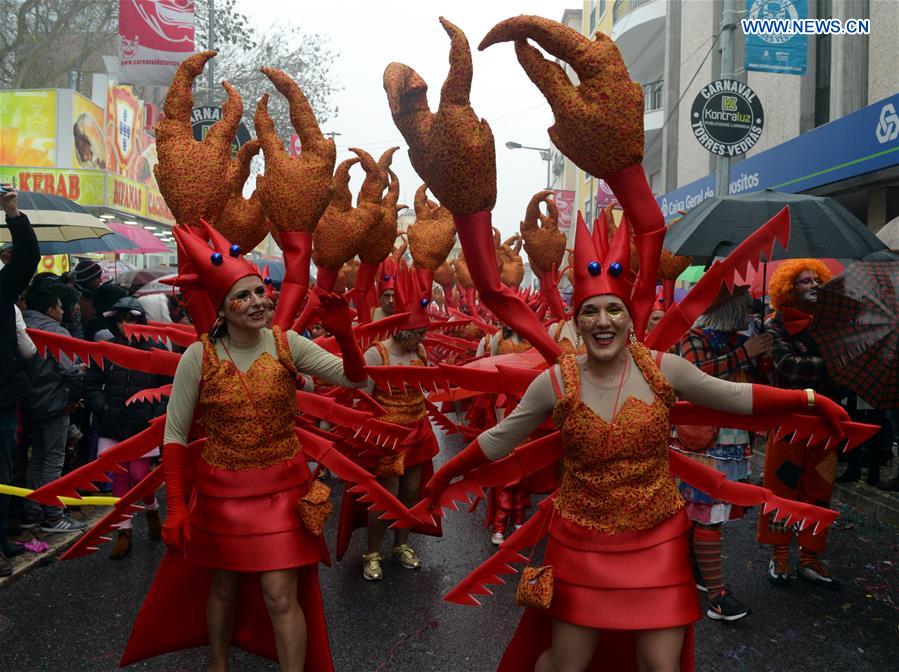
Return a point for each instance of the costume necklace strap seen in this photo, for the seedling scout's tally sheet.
(385, 355)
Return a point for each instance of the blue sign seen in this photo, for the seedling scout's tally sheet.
(784, 53)
(859, 143)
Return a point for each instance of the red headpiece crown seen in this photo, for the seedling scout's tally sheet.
(413, 295)
(214, 266)
(387, 275)
(598, 267)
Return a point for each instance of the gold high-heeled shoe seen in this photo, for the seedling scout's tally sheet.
(371, 567)
(406, 556)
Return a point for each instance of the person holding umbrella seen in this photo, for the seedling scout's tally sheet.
(796, 471)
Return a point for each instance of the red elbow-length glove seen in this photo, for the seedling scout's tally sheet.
(176, 528)
(767, 399)
(471, 457)
(336, 318)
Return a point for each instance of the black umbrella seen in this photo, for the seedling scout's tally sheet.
(64, 227)
(820, 228)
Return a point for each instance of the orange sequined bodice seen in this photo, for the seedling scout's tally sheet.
(255, 430)
(402, 408)
(508, 346)
(615, 476)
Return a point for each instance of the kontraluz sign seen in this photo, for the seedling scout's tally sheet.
(727, 117)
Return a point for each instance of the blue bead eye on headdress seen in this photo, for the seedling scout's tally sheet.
(385, 278)
(234, 250)
(616, 268)
(594, 268)
(216, 258)
(267, 280)
(424, 303)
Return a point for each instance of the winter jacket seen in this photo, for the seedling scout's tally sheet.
(54, 383)
(14, 278)
(106, 391)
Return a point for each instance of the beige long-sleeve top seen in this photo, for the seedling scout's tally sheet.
(689, 383)
(307, 357)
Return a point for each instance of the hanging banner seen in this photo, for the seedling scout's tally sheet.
(784, 53)
(28, 128)
(604, 196)
(154, 37)
(565, 205)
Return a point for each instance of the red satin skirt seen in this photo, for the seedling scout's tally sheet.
(618, 583)
(248, 521)
(420, 445)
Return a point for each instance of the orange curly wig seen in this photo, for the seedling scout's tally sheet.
(780, 287)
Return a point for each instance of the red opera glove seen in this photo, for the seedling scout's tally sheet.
(767, 399)
(470, 458)
(176, 529)
(336, 318)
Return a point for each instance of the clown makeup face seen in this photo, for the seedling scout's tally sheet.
(388, 303)
(245, 305)
(410, 339)
(603, 324)
(805, 287)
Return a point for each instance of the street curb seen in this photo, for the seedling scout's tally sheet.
(882, 507)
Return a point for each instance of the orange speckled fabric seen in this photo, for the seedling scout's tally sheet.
(507, 346)
(405, 408)
(235, 440)
(615, 476)
(566, 345)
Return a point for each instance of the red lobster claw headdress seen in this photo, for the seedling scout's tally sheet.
(387, 275)
(600, 268)
(212, 269)
(413, 296)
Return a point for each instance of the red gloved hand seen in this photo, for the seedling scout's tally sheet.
(767, 399)
(336, 318)
(176, 529)
(470, 458)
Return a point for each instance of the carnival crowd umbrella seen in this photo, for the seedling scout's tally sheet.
(889, 234)
(135, 279)
(820, 228)
(143, 242)
(64, 227)
(856, 327)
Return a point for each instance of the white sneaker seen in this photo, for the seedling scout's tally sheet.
(66, 524)
(497, 538)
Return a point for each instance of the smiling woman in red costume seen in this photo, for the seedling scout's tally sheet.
(238, 529)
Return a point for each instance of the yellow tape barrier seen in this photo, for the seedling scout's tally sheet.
(68, 501)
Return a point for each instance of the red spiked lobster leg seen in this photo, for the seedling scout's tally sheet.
(324, 282)
(84, 477)
(155, 360)
(365, 281)
(370, 491)
(158, 332)
(526, 536)
(681, 316)
(744, 494)
(297, 248)
(476, 236)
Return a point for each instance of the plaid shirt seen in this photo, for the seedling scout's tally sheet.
(798, 363)
(719, 354)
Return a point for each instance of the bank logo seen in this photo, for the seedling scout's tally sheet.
(888, 127)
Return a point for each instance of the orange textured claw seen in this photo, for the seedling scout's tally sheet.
(599, 122)
(380, 240)
(512, 268)
(433, 235)
(671, 266)
(460, 266)
(242, 220)
(190, 173)
(444, 275)
(452, 150)
(543, 241)
(342, 229)
(295, 190)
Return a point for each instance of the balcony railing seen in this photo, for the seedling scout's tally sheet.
(622, 7)
(652, 95)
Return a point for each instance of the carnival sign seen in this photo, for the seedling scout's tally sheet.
(565, 205)
(203, 118)
(727, 117)
(781, 52)
(154, 37)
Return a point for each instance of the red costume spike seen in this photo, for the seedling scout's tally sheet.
(599, 268)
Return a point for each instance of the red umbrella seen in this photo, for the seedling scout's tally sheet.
(757, 280)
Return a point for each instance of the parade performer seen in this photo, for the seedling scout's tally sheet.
(618, 545)
(801, 472)
(719, 347)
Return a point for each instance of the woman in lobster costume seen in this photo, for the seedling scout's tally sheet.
(623, 595)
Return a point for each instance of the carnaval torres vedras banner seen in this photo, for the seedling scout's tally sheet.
(154, 37)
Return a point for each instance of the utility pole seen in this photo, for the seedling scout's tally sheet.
(728, 29)
(211, 62)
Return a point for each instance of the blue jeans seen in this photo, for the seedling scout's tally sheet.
(7, 450)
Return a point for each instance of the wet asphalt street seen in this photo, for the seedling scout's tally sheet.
(75, 616)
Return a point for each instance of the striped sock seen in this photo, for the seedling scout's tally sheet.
(707, 549)
(781, 553)
(807, 557)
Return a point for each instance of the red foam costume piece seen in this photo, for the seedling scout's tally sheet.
(297, 249)
(365, 281)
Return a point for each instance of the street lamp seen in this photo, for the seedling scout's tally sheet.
(544, 154)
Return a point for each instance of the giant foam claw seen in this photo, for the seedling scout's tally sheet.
(242, 220)
(192, 175)
(543, 242)
(294, 191)
(433, 235)
(451, 150)
(599, 121)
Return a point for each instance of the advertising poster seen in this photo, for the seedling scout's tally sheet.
(54, 263)
(130, 149)
(89, 147)
(154, 37)
(85, 187)
(28, 128)
(783, 53)
(565, 205)
(126, 195)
